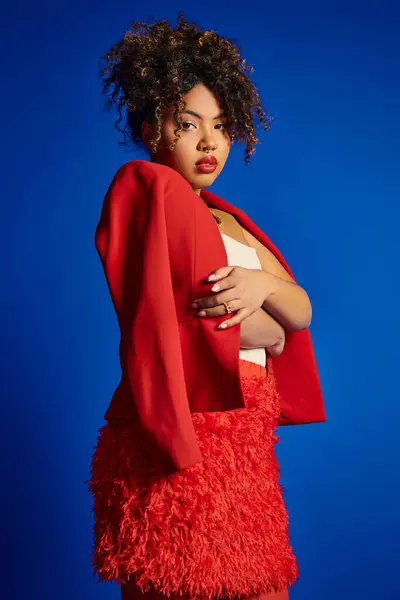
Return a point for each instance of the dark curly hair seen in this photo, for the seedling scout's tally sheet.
(154, 66)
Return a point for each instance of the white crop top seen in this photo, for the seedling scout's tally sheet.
(244, 256)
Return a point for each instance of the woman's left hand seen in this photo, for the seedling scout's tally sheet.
(244, 289)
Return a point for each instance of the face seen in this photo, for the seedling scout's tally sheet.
(204, 133)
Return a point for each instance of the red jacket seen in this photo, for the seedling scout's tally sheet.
(158, 242)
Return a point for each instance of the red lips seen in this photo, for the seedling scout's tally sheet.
(207, 160)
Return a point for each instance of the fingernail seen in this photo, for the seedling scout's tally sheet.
(222, 326)
(215, 287)
(194, 305)
(211, 278)
(202, 313)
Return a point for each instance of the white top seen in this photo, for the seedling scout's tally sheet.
(242, 255)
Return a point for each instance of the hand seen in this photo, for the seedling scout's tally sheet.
(244, 289)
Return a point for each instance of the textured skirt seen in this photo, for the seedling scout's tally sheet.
(217, 529)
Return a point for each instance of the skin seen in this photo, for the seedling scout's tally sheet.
(199, 136)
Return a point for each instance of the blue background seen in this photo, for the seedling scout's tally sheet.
(324, 185)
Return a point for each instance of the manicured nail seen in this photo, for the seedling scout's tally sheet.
(222, 326)
(202, 313)
(215, 287)
(211, 278)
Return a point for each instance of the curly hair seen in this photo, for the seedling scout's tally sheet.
(154, 66)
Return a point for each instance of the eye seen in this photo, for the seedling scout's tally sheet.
(189, 123)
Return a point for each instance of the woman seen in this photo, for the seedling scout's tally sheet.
(187, 499)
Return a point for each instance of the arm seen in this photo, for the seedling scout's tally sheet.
(295, 369)
(286, 301)
(260, 330)
(130, 237)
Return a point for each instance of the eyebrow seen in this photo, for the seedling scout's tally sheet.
(191, 112)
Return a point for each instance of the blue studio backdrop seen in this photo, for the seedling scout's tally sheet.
(324, 185)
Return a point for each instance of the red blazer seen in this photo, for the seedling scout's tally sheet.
(158, 242)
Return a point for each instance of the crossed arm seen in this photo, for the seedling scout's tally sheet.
(286, 308)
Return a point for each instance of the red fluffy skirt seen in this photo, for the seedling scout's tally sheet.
(215, 529)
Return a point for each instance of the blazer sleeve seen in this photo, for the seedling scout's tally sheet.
(298, 381)
(131, 239)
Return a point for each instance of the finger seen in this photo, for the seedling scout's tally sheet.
(219, 273)
(238, 318)
(220, 309)
(226, 283)
(211, 301)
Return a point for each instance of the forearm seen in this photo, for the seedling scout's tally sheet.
(260, 330)
(287, 302)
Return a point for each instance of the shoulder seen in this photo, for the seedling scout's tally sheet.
(268, 261)
(144, 185)
(147, 171)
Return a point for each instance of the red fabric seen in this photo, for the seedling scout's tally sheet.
(217, 529)
(158, 242)
(131, 591)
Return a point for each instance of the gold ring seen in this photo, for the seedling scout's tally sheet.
(228, 307)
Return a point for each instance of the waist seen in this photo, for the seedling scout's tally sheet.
(249, 368)
(123, 407)
(257, 355)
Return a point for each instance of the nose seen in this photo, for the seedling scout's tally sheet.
(209, 147)
(208, 143)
